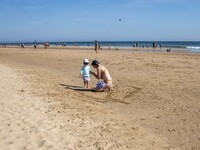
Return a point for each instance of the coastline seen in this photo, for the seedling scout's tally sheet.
(155, 103)
(106, 48)
(156, 46)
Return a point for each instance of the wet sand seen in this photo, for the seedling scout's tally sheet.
(155, 103)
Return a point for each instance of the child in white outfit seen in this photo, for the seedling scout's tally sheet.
(85, 72)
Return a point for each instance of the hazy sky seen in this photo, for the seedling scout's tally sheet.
(87, 20)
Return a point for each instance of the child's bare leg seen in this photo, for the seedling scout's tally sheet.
(84, 84)
(87, 84)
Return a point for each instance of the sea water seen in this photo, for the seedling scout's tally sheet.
(193, 46)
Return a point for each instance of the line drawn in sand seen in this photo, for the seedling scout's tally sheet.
(118, 95)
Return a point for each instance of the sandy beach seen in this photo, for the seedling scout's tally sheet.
(154, 106)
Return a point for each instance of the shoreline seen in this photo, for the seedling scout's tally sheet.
(192, 46)
(128, 49)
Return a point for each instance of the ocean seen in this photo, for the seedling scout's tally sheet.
(193, 46)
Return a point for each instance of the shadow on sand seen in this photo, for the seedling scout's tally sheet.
(77, 88)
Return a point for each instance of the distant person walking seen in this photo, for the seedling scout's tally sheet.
(96, 46)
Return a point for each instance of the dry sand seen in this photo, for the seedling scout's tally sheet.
(154, 106)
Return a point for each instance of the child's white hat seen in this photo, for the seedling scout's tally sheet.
(85, 61)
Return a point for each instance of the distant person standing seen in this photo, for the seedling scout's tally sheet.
(35, 45)
(137, 45)
(154, 45)
(109, 47)
(22, 45)
(160, 45)
(96, 46)
(46, 45)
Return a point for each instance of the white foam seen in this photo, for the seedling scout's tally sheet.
(193, 47)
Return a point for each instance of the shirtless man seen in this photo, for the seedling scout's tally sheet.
(102, 73)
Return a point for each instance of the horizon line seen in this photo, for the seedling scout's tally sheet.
(62, 41)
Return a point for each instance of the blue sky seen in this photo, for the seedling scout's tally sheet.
(87, 20)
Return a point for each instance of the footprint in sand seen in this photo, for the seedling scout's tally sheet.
(36, 138)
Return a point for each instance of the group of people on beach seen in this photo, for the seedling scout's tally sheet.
(154, 45)
(35, 45)
(105, 82)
